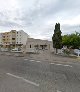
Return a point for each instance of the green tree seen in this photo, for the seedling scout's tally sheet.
(72, 40)
(57, 38)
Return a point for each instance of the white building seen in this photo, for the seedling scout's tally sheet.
(21, 37)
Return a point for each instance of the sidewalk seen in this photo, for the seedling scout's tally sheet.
(47, 56)
(44, 56)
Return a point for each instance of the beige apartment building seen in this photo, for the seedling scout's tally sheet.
(9, 39)
(13, 39)
(6, 39)
(0, 39)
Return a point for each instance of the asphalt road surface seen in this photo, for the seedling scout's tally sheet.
(19, 74)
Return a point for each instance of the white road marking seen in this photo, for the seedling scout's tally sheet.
(25, 59)
(68, 65)
(61, 65)
(13, 75)
(59, 91)
(28, 81)
(52, 63)
(58, 64)
(31, 60)
(38, 61)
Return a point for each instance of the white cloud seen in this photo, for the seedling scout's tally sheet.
(38, 17)
(8, 5)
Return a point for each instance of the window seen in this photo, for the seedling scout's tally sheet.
(17, 32)
(13, 31)
(30, 45)
(3, 36)
(3, 39)
(13, 38)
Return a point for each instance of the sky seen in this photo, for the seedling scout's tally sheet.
(38, 17)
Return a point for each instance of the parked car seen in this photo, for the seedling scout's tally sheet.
(15, 49)
(4, 49)
(77, 52)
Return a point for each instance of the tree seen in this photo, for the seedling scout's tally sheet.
(72, 40)
(57, 38)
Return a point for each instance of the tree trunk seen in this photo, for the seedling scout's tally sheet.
(56, 50)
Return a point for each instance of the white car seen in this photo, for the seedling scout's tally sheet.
(15, 49)
(77, 52)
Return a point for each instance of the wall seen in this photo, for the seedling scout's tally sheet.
(42, 44)
(0, 38)
(13, 37)
(21, 37)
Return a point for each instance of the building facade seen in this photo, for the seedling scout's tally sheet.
(0, 39)
(6, 39)
(21, 37)
(38, 44)
(13, 39)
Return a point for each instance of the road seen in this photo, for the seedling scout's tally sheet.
(20, 74)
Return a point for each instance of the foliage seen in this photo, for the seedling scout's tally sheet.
(57, 38)
(66, 51)
(72, 40)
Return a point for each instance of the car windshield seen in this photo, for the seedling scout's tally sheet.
(39, 46)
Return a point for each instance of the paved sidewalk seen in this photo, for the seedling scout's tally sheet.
(43, 56)
(47, 56)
